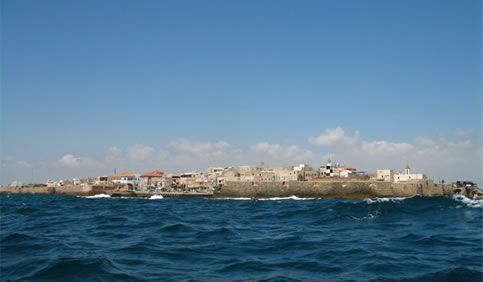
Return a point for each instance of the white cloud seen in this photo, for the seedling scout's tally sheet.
(459, 132)
(139, 152)
(113, 153)
(334, 136)
(451, 159)
(276, 154)
(265, 147)
(423, 141)
(384, 148)
(183, 145)
(69, 161)
(22, 164)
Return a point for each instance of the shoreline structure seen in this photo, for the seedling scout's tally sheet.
(355, 189)
(329, 181)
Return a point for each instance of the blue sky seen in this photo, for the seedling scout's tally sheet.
(181, 85)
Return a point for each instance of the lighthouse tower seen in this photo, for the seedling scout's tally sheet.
(329, 170)
(407, 170)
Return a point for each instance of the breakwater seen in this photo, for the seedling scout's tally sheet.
(332, 189)
(75, 190)
(112, 190)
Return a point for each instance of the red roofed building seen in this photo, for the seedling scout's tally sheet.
(125, 178)
(125, 174)
(152, 178)
(350, 168)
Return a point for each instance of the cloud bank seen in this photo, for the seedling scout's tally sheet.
(437, 157)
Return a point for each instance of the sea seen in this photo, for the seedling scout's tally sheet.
(68, 238)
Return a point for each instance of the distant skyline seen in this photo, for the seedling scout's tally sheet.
(92, 86)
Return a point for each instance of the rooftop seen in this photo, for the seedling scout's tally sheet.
(128, 174)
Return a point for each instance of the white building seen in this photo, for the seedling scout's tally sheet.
(125, 178)
(408, 176)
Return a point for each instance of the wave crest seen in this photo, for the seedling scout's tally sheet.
(385, 200)
(98, 196)
(471, 203)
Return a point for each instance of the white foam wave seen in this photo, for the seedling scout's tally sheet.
(385, 200)
(98, 196)
(156, 197)
(285, 198)
(267, 199)
(369, 217)
(472, 203)
(240, 199)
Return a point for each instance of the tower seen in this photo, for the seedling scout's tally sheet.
(407, 170)
(329, 171)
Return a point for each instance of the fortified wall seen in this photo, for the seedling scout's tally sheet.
(301, 189)
(77, 190)
(332, 189)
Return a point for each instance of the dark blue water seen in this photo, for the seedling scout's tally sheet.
(53, 237)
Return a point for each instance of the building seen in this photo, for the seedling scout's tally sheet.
(125, 178)
(386, 175)
(346, 171)
(153, 178)
(408, 176)
(329, 169)
(285, 174)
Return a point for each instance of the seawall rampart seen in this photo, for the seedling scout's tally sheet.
(77, 190)
(302, 189)
(331, 189)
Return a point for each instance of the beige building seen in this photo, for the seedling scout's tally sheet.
(386, 175)
(285, 174)
(151, 178)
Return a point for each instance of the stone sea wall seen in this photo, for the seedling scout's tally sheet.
(77, 190)
(331, 189)
(301, 189)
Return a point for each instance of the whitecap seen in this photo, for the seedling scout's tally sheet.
(285, 198)
(385, 200)
(242, 199)
(98, 196)
(471, 203)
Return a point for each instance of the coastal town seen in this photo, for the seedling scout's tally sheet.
(216, 178)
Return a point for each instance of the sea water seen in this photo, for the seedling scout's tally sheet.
(54, 237)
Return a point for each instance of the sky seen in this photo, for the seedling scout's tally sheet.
(89, 87)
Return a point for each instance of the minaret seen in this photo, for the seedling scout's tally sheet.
(407, 171)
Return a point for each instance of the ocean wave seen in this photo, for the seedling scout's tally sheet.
(471, 203)
(385, 200)
(97, 196)
(91, 269)
(241, 199)
(285, 198)
(70, 238)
